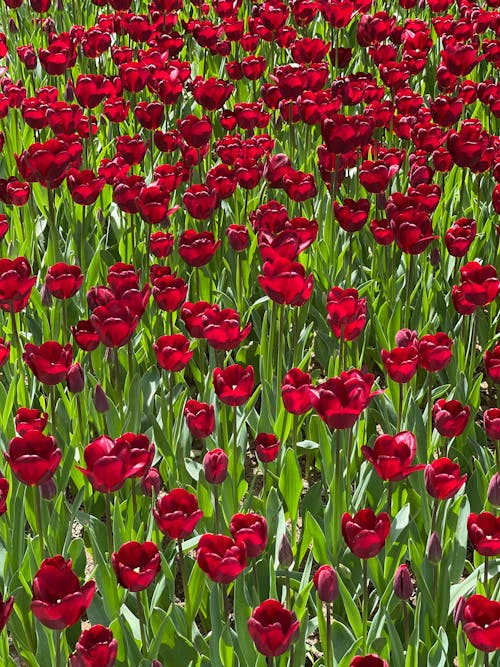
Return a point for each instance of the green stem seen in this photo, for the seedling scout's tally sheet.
(109, 528)
(486, 563)
(53, 410)
(37, 496)
(235, 458)
(406, 622)
(57, 641)
(279, 363)
(142, 625)
(400, 407)
(389, 497)
(182, 568)
(409, 279)
(429, 413)
(365, 603)
(255, 579)
(328, 647)
(134, 496)
(52, 226)
(217, 522)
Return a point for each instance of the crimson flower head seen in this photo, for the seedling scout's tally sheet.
(200, 418)
(492, 364)
(252, 530)
(95, 647)
(450, 417)
(484, 533)
(192, 316)
(326, 583)
(63, 280)
(401, 363)
(33, 457)
(211, 93)
(172, 352)
(480, 283)
(365, 533)
(370, 660)
(492, 423)
(391, 456)
(109, 464)
(346, 312)
(136, 565)
(221, 328)
(4, 351)
(142, 452)
(434, 351)
(340, 400)
(177, 513)
(412, 231)
(50, 362)
(295, 391)
(234, 384)
(114, 323)
(197, 249)
(59, 600)
(443, 479)
(267, 447)
(285, 282)
(28, 419)
(273, 628)
(237, 235)
(459, 236)
(47, 163)
(215, 464)
(4, 492)
(6, 607)
(16, 283)
(200, 201)
(221, 558)
(86, 337)
(481, 622)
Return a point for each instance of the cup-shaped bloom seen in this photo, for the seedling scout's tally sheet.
(109, 464)
(484, 533)
(252, 530)
(136, 564)
(285, 282)
(365, 533)
(340, 400)
(294, 391)
(401, 363)
(434, 351)
(221, 328)
(59, 600)
(5, 610)
(215, 463)
(273, 628)
(16, 283)
(450, 417)
(33, 457)
(391, 456)
(28, 419)
(4, 492)
(346, 312)
(95, 647)
(326, 583)
(50, 362)
(114, 323)
(177, 513)
(200, 418)
(142, 452)
(172, 352)
(197, 248)
(370, 660)
(492, 423)
(480, 283)
(234, 384)
(4, 351)
(481, 622)
(492, 364)
(221, 558)
(443, 479)
(267, 447)
(63, 280)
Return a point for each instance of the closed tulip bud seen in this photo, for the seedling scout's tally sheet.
(156, 663)
(434, 551)
(458, 611)
(403, 585)
(13, 29)
(100, 399)
(49, 489)
(215, 464)
(69, 92)
(494, 490)
(151, 482)
(45, 296)
(435, 257)
(326, 583)
(75, 378)
(49, 26)
(285, 553)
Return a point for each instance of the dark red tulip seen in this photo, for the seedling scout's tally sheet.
(484, 533)
(481, 622)
(86, 337)
(251, 529)
(197, 249)
(75, 378)
(492, 423)
(161, 244)
(4, 351)
(200, 418)
(4, 492)
(340, 400)
(403, 585)
(434, 351)
(365, 533)
(84, 186)
(63, 280)
(27, 419)
(346, 313)
(192, 316)
(392, 456)
(50, 362)
(326, 583)
(142, 452)
(169, 291)
(450, 417)
(285, 282)
(95, 647)
(109, 464)
(114, 323)
(234, 384)
(16, 283)
(294, 391)
(401, 363)
(459, 236)
(443, 479)
(6, 607)
(47, 163)
(480, 283)
(212, 93)
(215, 463)
(59, 600)
(492, 364)
(237, 235)
(172, 352)
(267, 447)
(273, 628)
(221, 328)
(221, 558)
(136, 565)
(177, 513)
(370, 660)
(200, 201)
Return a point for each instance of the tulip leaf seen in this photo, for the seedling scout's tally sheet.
(353, 615)
(290, 484)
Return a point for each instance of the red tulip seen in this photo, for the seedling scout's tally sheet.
(30, 420)
(136, 565)
(200, 418)
(234, 384)
(481, 622)
(294, 391)
(267, 447)
(221, 558)
(484, 533)
(172, 352)
(285, 282)
(492, 423)
(63, 280)
(365, 533)
(16, 284)
(251, 529)
(370, 660)
(392, 456)
(109, 464)
(177, 513)
(442, 479)
(434, 351)
(221, 328)
(450, 417)
(273, 628)
(95, 647)
(326, 583)
(215, 464)
(401, 363)
(33, 457)
(50, 362)
(114, 323)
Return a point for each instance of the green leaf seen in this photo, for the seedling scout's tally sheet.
(290, 484)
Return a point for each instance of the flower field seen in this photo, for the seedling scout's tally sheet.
(250, 350)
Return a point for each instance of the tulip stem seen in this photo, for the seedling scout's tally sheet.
(365, 603)
(328, 647)
(409, 279)
(52, 224)
(109, 528)
(270, 661)
(486, 563)
(281, 317)
(53, 410)
(134, 496)
(400, 407)
(216, 509)
(429, 412)
(406, 622)
(39, 518)
(142, 625)
(187, 602)
(235, 458)
(389, 497)
(57, 641)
